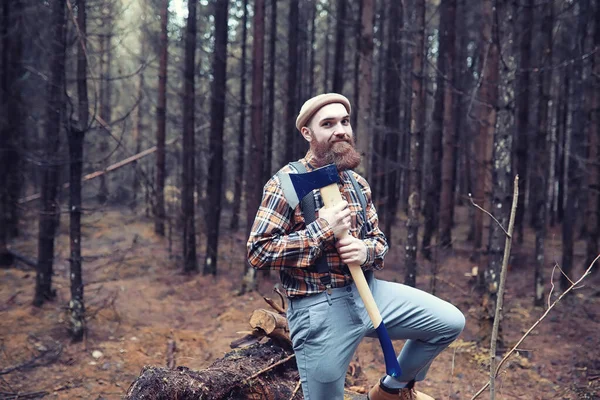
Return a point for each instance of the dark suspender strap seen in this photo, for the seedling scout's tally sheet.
(363, 203)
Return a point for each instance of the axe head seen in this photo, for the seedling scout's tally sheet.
(296, 186)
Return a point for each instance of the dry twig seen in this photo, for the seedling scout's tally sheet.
(270, 367)
(585, 274)
(274, 305)
(296, 389)
(500, 296)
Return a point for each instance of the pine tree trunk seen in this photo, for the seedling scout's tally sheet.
(326, 50)
(392, 121)
(376, 164)
(214, 180)
(539, 183)
(417, 119)
(76, 140)
(340, 44)
(363, 126)
(188, 178)
(12, 86)
(503, 38)
(488, 96)
(49, 207)
(105, 95)
(292, 78)
(270, 90)
(522, 104)
(161, 122)
(76, 305)
(449, 133)
(433, 180)
(239, 168)
(312, 47)
(5, 138)
(593, 205)
(253, 184)
(577, 149)
(137, 138)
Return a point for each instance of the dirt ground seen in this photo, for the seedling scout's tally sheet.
(137, 300)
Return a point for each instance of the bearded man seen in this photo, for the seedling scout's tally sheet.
(326, 315)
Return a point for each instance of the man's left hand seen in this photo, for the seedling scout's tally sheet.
(352, 250)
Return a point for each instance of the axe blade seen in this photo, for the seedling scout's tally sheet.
(296, 186)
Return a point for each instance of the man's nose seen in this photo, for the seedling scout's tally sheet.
(341, 129)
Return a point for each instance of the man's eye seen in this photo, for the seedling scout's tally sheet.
(345, 121)
(326, 124)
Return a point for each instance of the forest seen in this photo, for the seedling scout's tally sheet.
(136, 137)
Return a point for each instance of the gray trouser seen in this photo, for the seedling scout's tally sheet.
(326, 330)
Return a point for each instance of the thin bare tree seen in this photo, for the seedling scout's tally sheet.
(190, 262)
(253, 175)
(217, 121)
(417, 119)
(161, 122)
(49, 206)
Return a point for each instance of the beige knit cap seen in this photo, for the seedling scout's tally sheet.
(311, 106)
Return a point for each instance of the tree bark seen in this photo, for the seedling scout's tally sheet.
(340, 44)
(449, 134)
(501, 162)
(105, 89)
(593, 205)
(488, 97)
(76, 140)
(253, 184)
(540, 173)
(217, 122)
(188, 179)
(270, 91)
(76, 305)
(433, 179)
(11, 129)
(312, 47)
(363, 126)
(292, 80)
(139, 115)
(417, 119)
(576, 151)
(391, 118)
(161, 122)
(241, 151)
(375, 165)
(49, 206)
(522, 104)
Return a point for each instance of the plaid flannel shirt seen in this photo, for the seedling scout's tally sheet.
(279, 238)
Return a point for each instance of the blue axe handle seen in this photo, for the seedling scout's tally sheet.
(331, 196)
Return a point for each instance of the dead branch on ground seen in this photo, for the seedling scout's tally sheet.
(45, 357)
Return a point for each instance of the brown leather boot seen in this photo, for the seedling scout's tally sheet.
(380, 392)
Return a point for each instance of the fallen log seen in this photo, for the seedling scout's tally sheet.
(248, 373)
(258, 371)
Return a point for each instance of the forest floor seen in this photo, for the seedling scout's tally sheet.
(138, 299)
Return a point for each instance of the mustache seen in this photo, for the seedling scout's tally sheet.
(346, 139)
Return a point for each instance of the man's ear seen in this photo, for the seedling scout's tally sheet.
(306, 133)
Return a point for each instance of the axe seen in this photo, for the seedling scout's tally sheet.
(295, 187)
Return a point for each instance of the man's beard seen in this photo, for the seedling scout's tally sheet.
(341, 153)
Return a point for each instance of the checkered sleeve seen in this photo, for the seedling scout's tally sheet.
(275, 242)
(375, 240)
